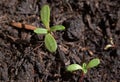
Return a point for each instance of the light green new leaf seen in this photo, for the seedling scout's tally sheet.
(50, 43)
(57, 27)
(45, 15)
(73, 67)
(93, 63)
(84, 68)
(41, 31)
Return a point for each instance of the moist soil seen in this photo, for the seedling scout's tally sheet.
(91, 25)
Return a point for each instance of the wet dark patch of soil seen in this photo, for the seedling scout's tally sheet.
(90, 26)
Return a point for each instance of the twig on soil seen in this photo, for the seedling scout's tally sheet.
(97, 30)
(37, 47)
(21, 25)
(12, 38)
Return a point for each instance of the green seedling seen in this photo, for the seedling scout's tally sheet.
(50, 42)
(73, 67)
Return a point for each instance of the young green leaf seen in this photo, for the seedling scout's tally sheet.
(50, 43)
(41, 31)
(57, 27)
(93, 63)
(45, 15)
(73, 67)
(84, 68)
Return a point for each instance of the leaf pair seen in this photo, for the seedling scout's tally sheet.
(50, 42)
(84, 67)
(45, 31)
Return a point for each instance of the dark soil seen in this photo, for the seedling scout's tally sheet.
(90, 26)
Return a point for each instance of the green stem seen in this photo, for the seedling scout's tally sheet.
(48, 27)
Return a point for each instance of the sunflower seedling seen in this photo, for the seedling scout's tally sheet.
(92, 63)
(50, 42)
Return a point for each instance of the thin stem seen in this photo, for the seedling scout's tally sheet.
(48, 28)
(82, 77)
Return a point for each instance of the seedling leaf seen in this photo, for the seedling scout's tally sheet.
(84, 68)
(50, 43)
(93, 63)
(41, 31)
(57, 27)
(45, 15)
(73, 67)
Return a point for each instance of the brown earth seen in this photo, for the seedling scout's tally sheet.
(90, 26)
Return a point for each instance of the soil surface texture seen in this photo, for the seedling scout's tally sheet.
(92, 31)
